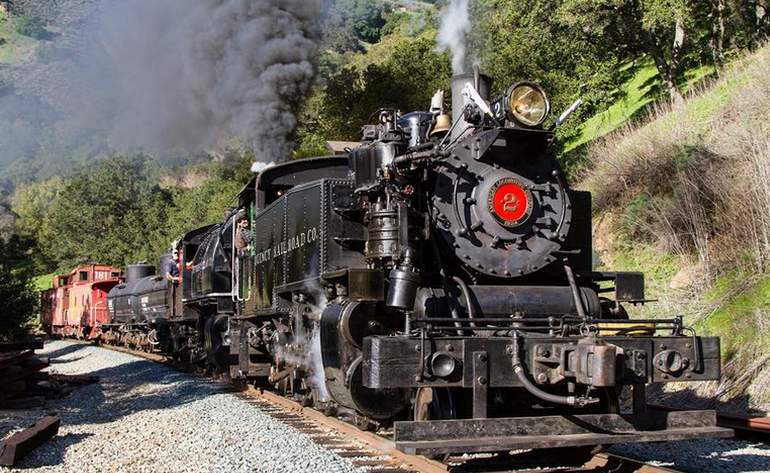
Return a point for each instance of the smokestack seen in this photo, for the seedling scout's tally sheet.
(482, 83)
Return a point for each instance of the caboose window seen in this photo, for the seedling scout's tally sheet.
(83, 276)
(114, 274)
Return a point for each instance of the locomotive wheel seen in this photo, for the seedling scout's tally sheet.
(284, 386)
(217, 352)
(434, 404)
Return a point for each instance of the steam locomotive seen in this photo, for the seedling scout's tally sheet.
(437, 279)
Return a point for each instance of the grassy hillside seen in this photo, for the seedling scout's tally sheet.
(636, 94)
(685, 197)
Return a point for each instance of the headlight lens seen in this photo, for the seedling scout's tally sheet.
(528, 104)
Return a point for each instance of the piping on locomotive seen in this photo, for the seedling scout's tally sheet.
(437, 278)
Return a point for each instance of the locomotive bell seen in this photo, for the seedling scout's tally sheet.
(443, 124)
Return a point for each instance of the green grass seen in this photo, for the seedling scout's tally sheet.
(636, 96)
(737, 310)
(658, 268)
(735, 318)
(637, 93)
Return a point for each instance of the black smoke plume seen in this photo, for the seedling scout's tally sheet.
(161, 76)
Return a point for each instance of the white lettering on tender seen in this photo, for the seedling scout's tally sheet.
(287, 246)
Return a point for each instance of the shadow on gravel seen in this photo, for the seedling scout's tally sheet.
(704, 455)
(53, 455)
(64, 351)
(57, 361)
(688, 398)
(132, 387)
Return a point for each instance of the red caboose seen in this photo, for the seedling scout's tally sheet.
(53, 304)
(76, 306)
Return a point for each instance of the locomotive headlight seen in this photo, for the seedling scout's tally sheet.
(528, 104)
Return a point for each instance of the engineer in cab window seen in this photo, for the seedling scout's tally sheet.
(170, 269)
(242, 235)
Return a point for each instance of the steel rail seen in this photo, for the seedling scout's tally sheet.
(612, 462)
(371, 440)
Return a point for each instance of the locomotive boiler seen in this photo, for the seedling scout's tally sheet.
(439, 279)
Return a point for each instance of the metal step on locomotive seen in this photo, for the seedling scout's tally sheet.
(436, 279)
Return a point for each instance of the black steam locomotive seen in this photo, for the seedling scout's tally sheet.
(437, 278)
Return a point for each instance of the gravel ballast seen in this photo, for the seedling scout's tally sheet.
(702, 456)
(146, 417)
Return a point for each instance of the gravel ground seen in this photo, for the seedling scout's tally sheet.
(146, 417)
(703, 456)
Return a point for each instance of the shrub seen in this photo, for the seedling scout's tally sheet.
(695, 180)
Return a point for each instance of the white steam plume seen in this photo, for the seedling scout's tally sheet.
(452, 35)
(167, 75)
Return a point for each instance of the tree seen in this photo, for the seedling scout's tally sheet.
(30, 26)
(522, 40)
(18, 298)
(657, 28)
(405, 79)
(111, 213)
(32, 203)
(347, 23)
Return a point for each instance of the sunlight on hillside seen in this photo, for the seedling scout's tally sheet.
(638, 93)
(15, 48)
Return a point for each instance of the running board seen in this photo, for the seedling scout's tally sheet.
(515, 433)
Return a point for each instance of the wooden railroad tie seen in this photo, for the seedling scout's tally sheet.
(15, 447)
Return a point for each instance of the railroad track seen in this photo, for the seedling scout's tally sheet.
(378, 454)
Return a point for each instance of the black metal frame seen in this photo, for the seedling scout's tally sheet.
(514, 433)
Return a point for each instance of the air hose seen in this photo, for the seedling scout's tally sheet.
(521, 374)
